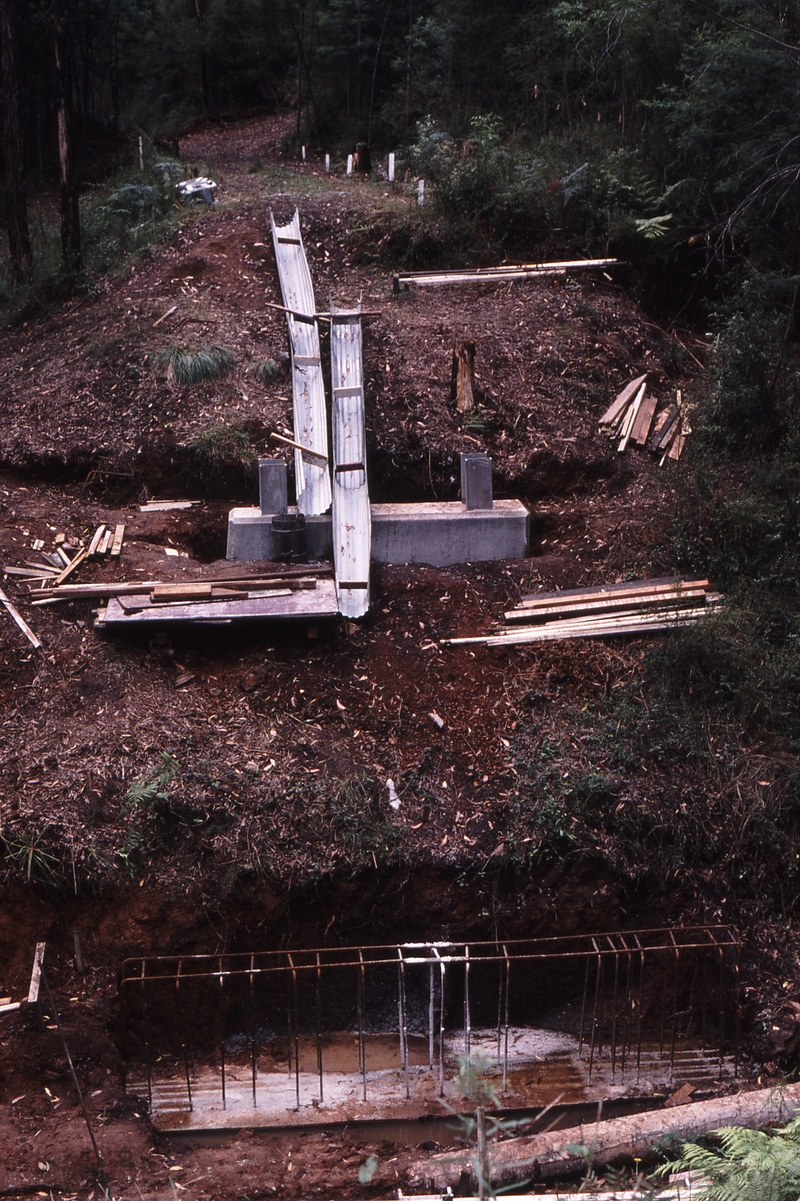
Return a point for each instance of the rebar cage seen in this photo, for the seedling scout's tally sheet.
(619, 995)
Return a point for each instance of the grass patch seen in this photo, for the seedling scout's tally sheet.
(185, 367)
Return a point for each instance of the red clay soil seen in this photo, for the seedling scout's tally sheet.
(283, 745)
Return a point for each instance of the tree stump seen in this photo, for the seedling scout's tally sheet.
(463, 385)
(363, 158)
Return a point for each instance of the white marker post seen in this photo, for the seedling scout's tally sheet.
(327, 164)
(141, 154)
(420, 192)
(303, 153)
(391, 168)
(349, 164)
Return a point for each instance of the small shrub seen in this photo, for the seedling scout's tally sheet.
(221, 450)
(264, 370)
(185, 367)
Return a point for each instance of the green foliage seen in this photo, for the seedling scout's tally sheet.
(222, 449)
(153, 787)
(747, 1165)
(473, 1082)
(29, 854)
(186, 367)
(365, 833)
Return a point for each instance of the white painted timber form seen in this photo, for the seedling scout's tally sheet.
(352, 517)
(312, 476)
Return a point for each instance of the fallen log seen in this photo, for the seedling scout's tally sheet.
(547, 1156)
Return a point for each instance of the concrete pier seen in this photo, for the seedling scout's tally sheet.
(438, 533)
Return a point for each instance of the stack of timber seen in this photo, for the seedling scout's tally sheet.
(308, 390)
(638, 607)
(634, 418)
(303, 592)
(429, 279)
(351, 514)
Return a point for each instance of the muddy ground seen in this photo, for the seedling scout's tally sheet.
(274, 825)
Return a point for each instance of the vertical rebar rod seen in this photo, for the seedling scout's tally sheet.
(737, 970)
(663, 1009)
(467, 1031)
(147, 1042)
(222, 1039)
(626, 1026)
(289, 1023)
(721, 1008)
(505, 1047)
(704, 1011)
(182, 1011)
(641, 1008)
(583, 1006)
(499, 1010)
(401, 1013)
(598, 965)
(362, 1048)
(441, 1022)
(601, 1023)
(295, 1024)
(674, 1010)
(319, 1027)
(430, 1017)
(614, 1016)
(253, 1055)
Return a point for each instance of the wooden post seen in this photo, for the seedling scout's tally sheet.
(391, 168)
(463, 385)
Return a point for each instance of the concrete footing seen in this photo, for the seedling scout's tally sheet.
(439, 533)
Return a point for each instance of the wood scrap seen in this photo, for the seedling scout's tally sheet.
(168, 313)
(622, 401)
(116, 545)
(76, 562)
(285, 579)
(623, 588)
(20, 620)
(63, 556)
(164, 506)
(641, 428)
(95, 540)
(630, 420)
(103, 544)
(306, 450)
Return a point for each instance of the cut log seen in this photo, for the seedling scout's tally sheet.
(547, 1157)
(463, 382)
(622, 401)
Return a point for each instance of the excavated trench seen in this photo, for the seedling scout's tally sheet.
(309, 1009)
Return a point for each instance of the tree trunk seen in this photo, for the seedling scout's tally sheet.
(463, 385)
(545, 1156)
(70, 209)
(19, 241)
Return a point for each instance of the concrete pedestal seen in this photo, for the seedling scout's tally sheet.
(439, 533)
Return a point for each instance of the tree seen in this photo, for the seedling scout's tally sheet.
(70, 209)
(16, 203)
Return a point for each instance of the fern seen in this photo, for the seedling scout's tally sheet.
(749, 1165)
(153, 786)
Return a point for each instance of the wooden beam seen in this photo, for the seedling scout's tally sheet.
(306, 450)
(647, 602)
(622, 400)
(116, 545)
(36, 973)
(632, 588)
(641, 429)
(76, 562)
(20, 620)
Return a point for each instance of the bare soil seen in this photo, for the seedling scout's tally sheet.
(276, 826)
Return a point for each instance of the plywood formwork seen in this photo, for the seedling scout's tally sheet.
(308, 391)
(352, 518)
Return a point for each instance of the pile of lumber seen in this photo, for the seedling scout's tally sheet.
(500, 274)
(634, 417)
(638, 607)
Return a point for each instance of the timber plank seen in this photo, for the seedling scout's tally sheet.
(630, 587)
(647, 602)
(641, 430)
(622, 400)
